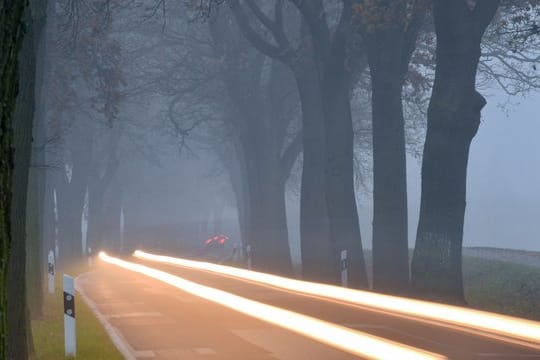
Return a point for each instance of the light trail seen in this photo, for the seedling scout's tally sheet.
(340, 337)
(501, 325)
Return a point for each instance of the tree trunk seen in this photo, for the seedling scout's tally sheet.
(11, 36)
(237, 175)
(70, 205)
(268, 229)
(19, 333)
(388, 64)
(318, 261)
(340, 189)
(96, 194)
(36, 193)
(453, 120)
(34, 246)
(268, 235)
(48, 217)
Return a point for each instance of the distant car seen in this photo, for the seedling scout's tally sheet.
(216, 240)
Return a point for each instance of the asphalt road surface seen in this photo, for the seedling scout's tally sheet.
(150, 319)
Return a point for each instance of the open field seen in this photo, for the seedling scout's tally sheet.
(502, 286)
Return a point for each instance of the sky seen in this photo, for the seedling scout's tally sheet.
(504, 178)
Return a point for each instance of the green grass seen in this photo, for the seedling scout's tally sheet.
(93, 343)
(497, 286)
(502, 287)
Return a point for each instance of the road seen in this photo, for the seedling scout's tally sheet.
(159, 321)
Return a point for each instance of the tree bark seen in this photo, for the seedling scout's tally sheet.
(268, 236)
(389, 48)
(19, 332)
(453, 120)
(36, 190)
(340, 189)
(34, 248)
(11, 36)
(318, 260)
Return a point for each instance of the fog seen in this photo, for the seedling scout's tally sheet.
(503, 197)
(169, 110)
(295, 140)
(198, 148)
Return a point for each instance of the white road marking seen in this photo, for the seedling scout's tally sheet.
(144, 353)
(135, 314)
(204, 351)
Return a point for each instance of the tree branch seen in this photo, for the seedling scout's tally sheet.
(483, 13)
(281, 52)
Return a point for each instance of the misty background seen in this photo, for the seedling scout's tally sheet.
(503, 191)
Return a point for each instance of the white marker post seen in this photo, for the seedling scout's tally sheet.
(89, 257)
(235, 252)
(50, 271)
(122, 229)
(344, 270)
(69, 316)
(248, 252)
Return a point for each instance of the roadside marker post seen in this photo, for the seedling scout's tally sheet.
(236, 252)
(89, 257)
(69, 316)
(50, 271)
(344, 270)
(248, 251)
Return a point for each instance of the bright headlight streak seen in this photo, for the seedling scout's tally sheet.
(351, 341)
(507, 326)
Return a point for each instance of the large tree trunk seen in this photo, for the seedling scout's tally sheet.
(11, 36)
(453, 120)
(34, 246)
(268, 235)
(36, 193)
(318, 260)
(340, 189)
(19, 336)
(388, 65)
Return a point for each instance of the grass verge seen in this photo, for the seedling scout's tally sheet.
(93, 343)
(502, 287)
